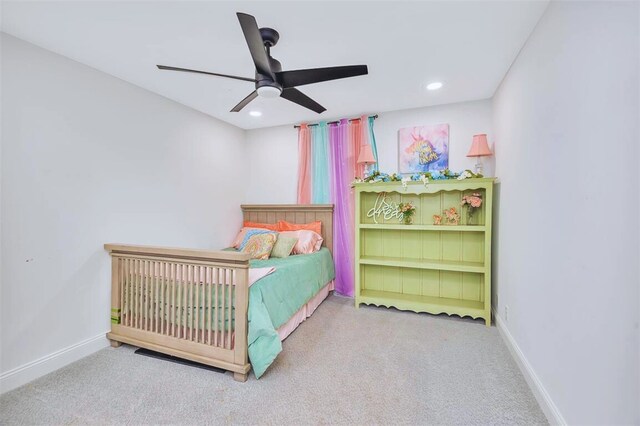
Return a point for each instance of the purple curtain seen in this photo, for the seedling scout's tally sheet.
(342, 170)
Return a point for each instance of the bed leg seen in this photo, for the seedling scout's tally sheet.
(115, 344)
(240, 377)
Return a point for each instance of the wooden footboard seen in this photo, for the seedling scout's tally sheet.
(187, 303)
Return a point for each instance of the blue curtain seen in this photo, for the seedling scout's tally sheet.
(372, 142)
(320, 193)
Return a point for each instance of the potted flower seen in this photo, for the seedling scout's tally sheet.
(472, 203)
(407, 210)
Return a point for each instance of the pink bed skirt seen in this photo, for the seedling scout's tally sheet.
(305, 312)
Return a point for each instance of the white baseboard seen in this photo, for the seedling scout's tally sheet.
(49, 363)
(542, 396)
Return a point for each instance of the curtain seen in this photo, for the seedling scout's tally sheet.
(342, 171)
(304, 165)
(372, 141)
(320, 192)
(328, 163)
(355, 142)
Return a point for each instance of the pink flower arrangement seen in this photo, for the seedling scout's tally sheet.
(473, 202)
(407, 210)
(406, 207)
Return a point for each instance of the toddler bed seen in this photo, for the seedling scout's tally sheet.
(199, 304)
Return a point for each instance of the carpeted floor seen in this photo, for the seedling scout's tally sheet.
(342, 366)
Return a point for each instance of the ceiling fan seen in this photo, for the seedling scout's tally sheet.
(270, 80)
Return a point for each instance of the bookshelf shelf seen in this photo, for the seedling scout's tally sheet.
(439, 265)
(438, 228)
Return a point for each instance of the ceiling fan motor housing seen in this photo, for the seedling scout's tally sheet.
(269, 36)
(264, 82)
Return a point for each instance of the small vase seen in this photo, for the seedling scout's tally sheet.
(408, 220)
(470, 220)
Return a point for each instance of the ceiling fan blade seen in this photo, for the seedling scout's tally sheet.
(243, 103)
(256, 44)
(297, 97)
(316, 75)
(164, 67)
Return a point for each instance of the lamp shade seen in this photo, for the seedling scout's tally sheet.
(366, 155)
(479, 146)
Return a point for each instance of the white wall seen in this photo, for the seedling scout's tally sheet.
(272, 165)
(273, 152)
(89, 159)
(465, 120)
(1, 119)
(566, 124)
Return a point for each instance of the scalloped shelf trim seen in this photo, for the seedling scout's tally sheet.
(422, 311)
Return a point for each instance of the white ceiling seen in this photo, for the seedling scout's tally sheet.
(467, 45)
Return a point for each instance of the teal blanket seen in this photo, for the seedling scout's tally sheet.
(275, 298)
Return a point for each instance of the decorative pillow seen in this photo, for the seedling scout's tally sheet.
(270, 226)
(316, 226)
(260, 246)
(251, 232)
(283, 246)
(308, 241)
(240, 237)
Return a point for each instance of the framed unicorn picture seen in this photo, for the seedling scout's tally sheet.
(423, 148)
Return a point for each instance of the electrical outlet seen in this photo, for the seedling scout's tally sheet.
(506, 313)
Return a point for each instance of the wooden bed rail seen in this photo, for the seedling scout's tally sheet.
(184, 302)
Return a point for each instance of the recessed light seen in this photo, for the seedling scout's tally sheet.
(434, 86)
(255, 113)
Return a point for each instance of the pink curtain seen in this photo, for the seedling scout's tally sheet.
(356, 140)
(304, 165)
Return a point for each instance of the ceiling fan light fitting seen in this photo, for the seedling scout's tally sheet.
(269, 92)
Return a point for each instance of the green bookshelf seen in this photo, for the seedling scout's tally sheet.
(424, 267)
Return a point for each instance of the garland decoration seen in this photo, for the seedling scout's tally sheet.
(423, 177)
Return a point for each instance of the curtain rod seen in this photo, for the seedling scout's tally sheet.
(335, 122)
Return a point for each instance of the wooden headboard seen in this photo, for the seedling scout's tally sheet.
(293, 213)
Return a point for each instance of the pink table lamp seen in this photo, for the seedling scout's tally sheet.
(366, 157)
(479, 149)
